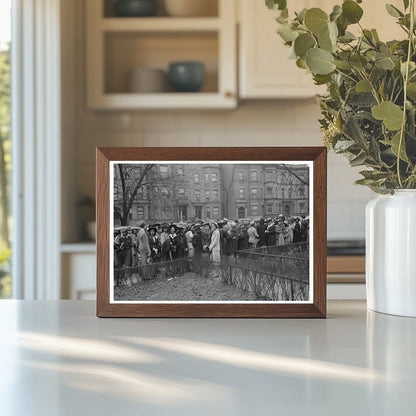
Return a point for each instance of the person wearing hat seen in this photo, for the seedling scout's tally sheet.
(133, 235)
(242, 236)
(271, 234)
(182, 248)
(280, 230)
(164, 235)
(253, 237)
(261, 231)
(143, 246)
(296, 230)
(154, 244)
(206, 236)
(215, 248)
(188, 239)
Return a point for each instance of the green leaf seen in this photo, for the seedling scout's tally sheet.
(358, 61)
(345, 65)
(320, 61)
(287, 33)
(303, 43)
(388, 112)
(406, 4)
(321, 79)
(351, 11)
(316, 20)
(336, 12)
(363, 86)
(384, 62)
(411, 90)
(358, 160)
(276, 4)
(394, 144)
(343, 145)
(393, 11)
(301, 63)
(325, 42)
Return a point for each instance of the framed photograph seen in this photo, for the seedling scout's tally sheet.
(211, 232)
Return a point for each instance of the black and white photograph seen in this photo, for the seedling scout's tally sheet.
(210, 232)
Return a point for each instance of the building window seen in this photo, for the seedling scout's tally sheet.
(254, 209)
(269, 176)
(165, 191)
(198, 211)
(240, 175)
(140, 213)
(269, 192)
(208, 212)
(198, 194)
(301, 191)
(207, 177)
(179, 171)
(241, 212)
(196, 178)
(215, 212)
(181, 193)
(289, 191)
(302, 207)
(215, 194)
(269, 208)
(254, 192)
(207, 195)
(163, 170)
(283, 192)
(241, 192)
(253, 175)
(214, 177)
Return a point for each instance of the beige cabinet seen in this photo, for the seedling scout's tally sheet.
(116, 46)
(265, 70)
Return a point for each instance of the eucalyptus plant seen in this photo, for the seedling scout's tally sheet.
(369, 111)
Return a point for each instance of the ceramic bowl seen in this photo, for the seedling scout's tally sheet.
(147, 80)
(135, 8)
(186, 76)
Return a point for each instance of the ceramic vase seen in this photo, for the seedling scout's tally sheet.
(391, 253)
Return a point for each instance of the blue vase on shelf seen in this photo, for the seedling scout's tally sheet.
(186, 76)
(135, 8)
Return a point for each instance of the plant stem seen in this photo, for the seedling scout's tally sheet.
(406, 80)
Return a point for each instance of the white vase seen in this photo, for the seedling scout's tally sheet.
(391, 253)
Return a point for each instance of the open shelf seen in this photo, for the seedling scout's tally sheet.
(210, 6)
(160, 24)
(119, 45)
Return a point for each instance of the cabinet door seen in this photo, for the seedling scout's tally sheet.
(266, 71)
(265, 68)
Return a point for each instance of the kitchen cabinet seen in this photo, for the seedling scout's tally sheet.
(265, 70)
(118, 45)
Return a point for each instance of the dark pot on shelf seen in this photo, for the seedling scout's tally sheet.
(135, 8)
(186, 76)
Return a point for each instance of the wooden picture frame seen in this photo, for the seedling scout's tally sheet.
(314, 307)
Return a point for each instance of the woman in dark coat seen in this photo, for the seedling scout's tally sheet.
(154, 245)
(232, 240)
(242, 237)
(271, 235)
(261, 231)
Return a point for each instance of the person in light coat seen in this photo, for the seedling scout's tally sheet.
(253, 237)
(215, 248)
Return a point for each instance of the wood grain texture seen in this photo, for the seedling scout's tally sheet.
(317, 309)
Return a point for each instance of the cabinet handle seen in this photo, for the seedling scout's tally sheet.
(229, 94)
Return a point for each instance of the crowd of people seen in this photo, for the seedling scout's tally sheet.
(142, 245)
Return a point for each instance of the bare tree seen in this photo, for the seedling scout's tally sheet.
(295, 175)
(132, 177)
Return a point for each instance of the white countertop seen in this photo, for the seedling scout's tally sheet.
(57, 358)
